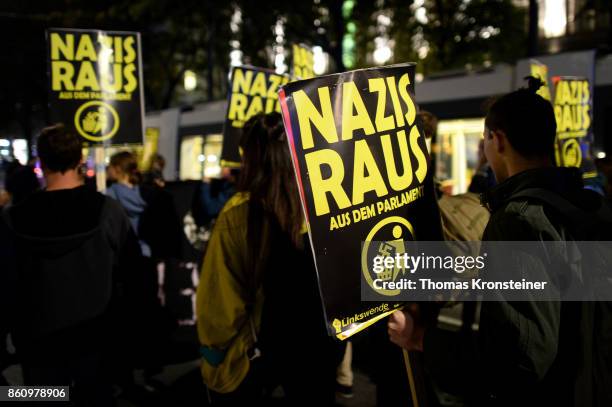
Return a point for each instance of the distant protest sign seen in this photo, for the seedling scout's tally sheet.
(251, 91)
(573, 104)
(363, 171)
(95, 84)
(540, 71)
(303, 62)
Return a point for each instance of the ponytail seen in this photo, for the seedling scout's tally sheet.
(127, 163)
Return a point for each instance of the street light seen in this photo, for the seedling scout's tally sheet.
(190, 81)
(382, 54)
(320, 60)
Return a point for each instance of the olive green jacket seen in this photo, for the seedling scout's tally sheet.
(228, 313)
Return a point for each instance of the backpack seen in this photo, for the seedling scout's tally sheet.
(463, 220)
(594, 226)
(463, 217)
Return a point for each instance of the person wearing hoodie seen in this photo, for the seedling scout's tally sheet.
(73, 251)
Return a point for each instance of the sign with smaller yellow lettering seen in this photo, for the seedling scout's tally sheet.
(95, 84)
(363, 172)
(573, 106)
(251, 91)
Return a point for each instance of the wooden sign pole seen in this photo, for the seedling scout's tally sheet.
(100, 165)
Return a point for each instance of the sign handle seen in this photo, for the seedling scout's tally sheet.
(418, 397)
(100, 166)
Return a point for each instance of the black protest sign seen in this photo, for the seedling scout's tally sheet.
(95, 84)
(252, 91)
(303, 62)
(363, 171)
(573, 104)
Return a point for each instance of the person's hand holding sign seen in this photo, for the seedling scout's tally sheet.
(405, 330)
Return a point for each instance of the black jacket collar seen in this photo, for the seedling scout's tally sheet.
(564, 181)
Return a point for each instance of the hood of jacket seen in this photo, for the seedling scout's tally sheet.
(51, 224)
(566, 182)
(130, 199)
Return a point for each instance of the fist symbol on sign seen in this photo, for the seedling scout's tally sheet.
(95, 122)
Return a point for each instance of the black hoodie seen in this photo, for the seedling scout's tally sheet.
(71, 253)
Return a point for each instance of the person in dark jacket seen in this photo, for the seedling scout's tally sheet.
(73, 253)
(213, 194)
(7, 259)
(154, 177)
(21, 182)
(528, 353)
(150, 208)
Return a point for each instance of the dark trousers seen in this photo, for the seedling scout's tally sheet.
(87, 376)
(303, 382)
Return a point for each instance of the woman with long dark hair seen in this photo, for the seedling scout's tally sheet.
(260, 317)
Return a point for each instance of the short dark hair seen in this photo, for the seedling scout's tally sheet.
(59, 150)
(158, 159)
(429, 122)
(527, 119)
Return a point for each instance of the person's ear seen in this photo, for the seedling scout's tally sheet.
(499, 141)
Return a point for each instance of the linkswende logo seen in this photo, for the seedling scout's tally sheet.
(352, 322)
(96, 121)
(337, 325)
(387, 238)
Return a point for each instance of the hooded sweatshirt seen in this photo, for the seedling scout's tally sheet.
(134, 205)
(68, 245)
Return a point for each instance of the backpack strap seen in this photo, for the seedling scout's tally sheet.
(578, 219)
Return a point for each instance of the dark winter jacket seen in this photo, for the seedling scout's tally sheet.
(532, 353)
(75, 253)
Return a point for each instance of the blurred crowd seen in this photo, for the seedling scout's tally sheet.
(87, 280)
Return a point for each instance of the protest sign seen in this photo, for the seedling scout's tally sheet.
(363, 171)
(573, 106)
(95, 84)
(540, 71)
(303, 62)
(251, 91)
(571, 150)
